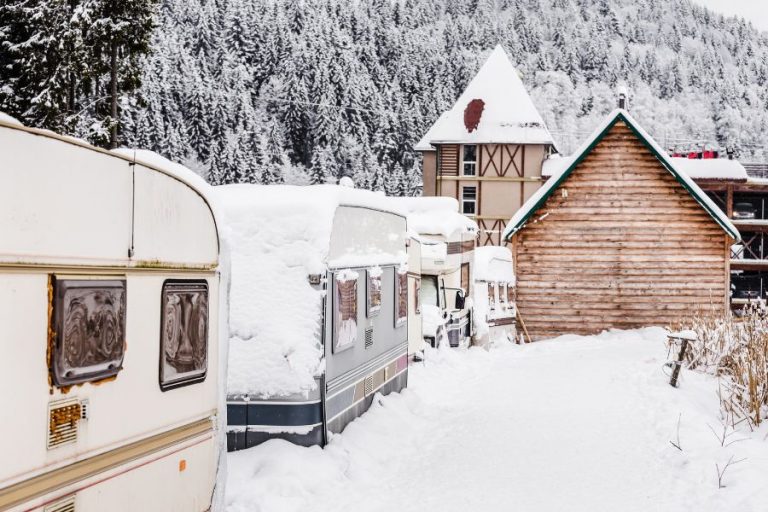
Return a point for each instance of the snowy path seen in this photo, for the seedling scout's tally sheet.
(571, 424)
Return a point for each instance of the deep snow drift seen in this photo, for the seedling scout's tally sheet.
(577, 424)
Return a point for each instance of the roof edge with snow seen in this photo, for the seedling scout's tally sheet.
(537, 200)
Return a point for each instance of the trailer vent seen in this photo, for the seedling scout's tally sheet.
(369, 337)
(368, 385)
(84, 409)
(65, 505)
(63, 418)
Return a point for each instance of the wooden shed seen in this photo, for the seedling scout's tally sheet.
(618, 238)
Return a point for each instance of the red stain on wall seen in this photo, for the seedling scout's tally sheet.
(472, 114)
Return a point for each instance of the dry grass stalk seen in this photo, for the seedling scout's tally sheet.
(735, 349)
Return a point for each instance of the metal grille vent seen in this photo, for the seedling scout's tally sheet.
(84, 409)
(63, 418)
(65, 505)
(368, 385)
(369, 337)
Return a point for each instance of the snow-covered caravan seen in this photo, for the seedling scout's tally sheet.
(493, 296)
(448, 242)
(319, 309)
(109, 286)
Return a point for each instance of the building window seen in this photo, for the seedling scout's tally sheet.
(184, 333)
(469, 200)
(374, 291)
(345, 311)
(401, 297)
(89, 323)
(469, 159)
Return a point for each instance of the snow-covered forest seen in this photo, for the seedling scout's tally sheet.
(306, 91)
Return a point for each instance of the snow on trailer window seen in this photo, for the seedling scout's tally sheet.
(184, 334)
(345, 311)
(374, 290)
(89, 323)
(401, 297)
(428, 291)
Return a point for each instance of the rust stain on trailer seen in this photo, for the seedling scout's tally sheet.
(62, 420)
(51, 335)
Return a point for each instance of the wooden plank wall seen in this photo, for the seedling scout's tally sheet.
(449, 160)
(627, 247)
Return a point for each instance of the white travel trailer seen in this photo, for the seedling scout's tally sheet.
(319, 309)
(109, 324)
(494, 295)
(447, 248)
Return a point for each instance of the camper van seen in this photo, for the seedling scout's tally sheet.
(494, 295)
(109, 329)
(319, 309)
(447, 247)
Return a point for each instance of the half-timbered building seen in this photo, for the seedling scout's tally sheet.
(487, 150)
(618, 237)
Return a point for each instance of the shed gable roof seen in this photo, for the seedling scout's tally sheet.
(518, 221)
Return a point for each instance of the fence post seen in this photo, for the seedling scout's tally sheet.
(684, 338)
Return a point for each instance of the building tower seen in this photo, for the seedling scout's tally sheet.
(487, 151)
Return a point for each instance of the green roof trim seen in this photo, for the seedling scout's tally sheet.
(519, 221)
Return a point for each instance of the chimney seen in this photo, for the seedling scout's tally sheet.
(622, 91)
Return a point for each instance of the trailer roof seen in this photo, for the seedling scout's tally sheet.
(562, 170)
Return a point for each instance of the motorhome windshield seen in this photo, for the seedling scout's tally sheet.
(429, 291)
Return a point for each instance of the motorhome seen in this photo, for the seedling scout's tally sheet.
(447, 247)
(319, 309)
(109, 330)
(494, 295)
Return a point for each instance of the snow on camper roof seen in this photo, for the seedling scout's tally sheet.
(494, 108)
(494, 264)
(434, 216)
(278, 235)
(561, 170)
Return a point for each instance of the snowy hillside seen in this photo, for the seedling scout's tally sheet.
(247, 91)
(245, 87)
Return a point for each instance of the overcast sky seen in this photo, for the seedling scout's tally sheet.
(755, 11)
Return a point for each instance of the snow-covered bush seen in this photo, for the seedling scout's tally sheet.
(735, 349)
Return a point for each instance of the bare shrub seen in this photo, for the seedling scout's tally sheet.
(735, 349)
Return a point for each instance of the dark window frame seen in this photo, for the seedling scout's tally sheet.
(465, 201)
(336, 313)
(371, 310)
(471, 163)
(400, 287)
(58, 328)
(190, 380)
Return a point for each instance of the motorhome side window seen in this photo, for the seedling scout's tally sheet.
(345, 310)
(510, 294)
(469, 160)
(89, 326)
(401, 297)
(468, 200)
(184, 333)
(374, 291)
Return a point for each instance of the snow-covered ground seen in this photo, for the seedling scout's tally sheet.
(577, 424)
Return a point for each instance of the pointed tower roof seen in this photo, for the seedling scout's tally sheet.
(494, 108)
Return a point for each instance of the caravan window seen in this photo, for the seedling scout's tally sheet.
(184, 333)
(491, 296)
(401, 297)
(417, 295)
(345, 310)
(89, 323)
(374, 290)
(510, 294)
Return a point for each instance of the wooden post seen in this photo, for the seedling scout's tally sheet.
(679, 362)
